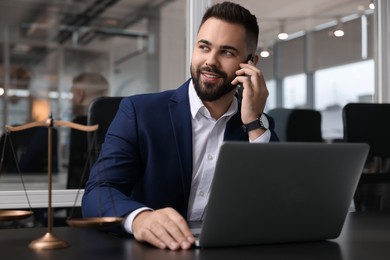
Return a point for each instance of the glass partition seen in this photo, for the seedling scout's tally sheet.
(44, 46)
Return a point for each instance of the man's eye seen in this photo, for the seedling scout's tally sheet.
(227, 53)
(204, 48)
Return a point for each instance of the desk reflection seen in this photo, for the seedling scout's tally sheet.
(310, 250)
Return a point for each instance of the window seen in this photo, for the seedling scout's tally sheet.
(340, 85)
(294, 91)
(271, 100)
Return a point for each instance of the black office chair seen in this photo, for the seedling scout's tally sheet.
(297, 125)
(368, 123)
(30, 151)
(101, 111)
(78, 166)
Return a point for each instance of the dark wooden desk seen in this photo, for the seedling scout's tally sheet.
(364, 236)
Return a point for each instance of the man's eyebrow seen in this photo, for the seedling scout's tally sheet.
(222, 47)
(228, 47)
(205, 42)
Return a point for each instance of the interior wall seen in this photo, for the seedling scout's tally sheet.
(155, 66)
(172, 45)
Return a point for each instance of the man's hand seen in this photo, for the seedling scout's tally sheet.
(254, 95)
(255, 91)
(164, 228)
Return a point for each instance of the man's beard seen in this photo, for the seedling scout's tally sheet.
(211, 92)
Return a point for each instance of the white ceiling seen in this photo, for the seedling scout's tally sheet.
(299, 15)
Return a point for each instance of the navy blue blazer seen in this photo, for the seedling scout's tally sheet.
(146, 158)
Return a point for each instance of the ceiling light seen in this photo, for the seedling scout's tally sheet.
(282, 34)
(339, 32)
(371, 5)
(264, 53)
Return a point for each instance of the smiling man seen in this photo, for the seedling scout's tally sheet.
(160, 151)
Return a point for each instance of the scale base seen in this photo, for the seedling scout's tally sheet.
(48, 241)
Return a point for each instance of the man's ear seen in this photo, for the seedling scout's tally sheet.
(78, 96)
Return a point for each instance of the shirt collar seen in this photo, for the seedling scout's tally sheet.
(196, 104)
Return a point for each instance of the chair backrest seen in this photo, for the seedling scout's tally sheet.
(297, 125)
(78, 155)
(280, 116)
(101, 111)
(31, 151)
(368, 123)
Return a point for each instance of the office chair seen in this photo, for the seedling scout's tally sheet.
(368, 123)
(78, 165)
(30, 148)
(83, 148)
(297, 125)
(101, 111)
(78, 168)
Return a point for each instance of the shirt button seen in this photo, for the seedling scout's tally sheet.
(210, 157)
(201, 193)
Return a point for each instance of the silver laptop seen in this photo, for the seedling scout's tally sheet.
(280, 192)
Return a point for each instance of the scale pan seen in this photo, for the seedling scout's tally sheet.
(94, 222)
(9, 215)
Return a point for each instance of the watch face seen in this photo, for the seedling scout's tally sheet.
(264, 121)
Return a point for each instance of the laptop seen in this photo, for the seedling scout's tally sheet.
(280, 192)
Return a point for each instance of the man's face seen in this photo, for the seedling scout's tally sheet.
(220, 48)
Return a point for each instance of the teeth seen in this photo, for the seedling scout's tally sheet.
(210, 76)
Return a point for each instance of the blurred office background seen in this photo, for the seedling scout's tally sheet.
(143, 46)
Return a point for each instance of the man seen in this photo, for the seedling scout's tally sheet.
(160, 151)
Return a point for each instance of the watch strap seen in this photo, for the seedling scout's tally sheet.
(256, 124)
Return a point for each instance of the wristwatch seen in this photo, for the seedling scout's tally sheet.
(260, 122)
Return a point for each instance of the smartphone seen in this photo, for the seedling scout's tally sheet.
(240, 87)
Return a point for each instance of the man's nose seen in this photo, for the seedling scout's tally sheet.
(212, 59)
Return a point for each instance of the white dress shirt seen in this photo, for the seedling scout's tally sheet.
(207, 138)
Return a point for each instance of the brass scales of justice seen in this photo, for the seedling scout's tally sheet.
(49, 240)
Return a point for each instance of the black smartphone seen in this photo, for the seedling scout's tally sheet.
(240, 87)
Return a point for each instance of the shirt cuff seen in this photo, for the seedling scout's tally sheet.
(128, 224)
(264, 138)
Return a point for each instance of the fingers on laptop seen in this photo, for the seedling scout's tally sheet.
(164, 228)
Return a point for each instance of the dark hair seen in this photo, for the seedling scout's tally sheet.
(235, 13)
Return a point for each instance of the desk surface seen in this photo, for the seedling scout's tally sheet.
(364, 236)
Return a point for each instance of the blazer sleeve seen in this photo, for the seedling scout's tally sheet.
(112, 178)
